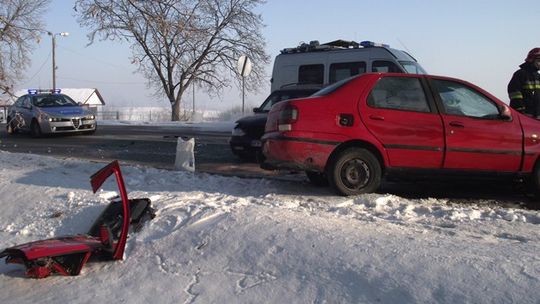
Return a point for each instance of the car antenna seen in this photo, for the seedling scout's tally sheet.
(403, 45)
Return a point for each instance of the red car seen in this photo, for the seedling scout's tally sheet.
(363, 128)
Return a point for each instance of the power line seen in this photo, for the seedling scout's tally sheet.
(40, 68)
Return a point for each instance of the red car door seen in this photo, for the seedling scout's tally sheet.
(399, 114)
(477, 136)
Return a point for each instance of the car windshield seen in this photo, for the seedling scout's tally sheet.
(412, 67)
(48, 101)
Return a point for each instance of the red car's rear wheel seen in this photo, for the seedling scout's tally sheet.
(355, 171)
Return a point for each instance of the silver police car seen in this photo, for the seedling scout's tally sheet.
(50, 112)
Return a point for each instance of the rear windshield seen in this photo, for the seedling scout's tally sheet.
(278, 96)
(48, 101)
(331, 88)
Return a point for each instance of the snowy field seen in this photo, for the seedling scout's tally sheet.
(230, 240)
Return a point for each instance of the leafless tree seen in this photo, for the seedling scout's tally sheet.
(176, 43)
(21, 24)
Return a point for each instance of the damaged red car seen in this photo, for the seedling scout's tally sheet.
(358, 131)
(106, 239)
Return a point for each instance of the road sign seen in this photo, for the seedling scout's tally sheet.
(244, 66)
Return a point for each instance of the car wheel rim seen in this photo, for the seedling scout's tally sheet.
(355, 174)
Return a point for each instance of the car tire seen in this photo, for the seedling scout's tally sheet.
(35, 130)
(355, 171)
(318, 179)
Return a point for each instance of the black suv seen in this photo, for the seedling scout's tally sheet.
(246, 136)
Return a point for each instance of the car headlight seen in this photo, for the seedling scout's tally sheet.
(237, 131)
(90, 117)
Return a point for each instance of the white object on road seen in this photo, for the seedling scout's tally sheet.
(185, 158)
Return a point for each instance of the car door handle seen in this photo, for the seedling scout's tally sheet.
(376, 117)
(457, 124)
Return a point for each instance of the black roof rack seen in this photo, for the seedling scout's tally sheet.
(315, 46)
(344, 44)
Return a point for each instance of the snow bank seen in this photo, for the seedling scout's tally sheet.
(232, 240)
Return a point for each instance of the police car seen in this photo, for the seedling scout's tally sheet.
(49, 112)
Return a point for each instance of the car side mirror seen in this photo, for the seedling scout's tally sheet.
(256, 110)
(506, 113)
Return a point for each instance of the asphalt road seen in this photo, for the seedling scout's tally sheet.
(145, 145)
(155, 146)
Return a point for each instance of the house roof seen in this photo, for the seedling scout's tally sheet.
(85, 96)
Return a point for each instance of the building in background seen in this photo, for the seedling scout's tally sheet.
(87, 97)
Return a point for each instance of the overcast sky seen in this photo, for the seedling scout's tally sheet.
(479, 41)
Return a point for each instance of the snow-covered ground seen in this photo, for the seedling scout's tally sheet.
(231, 240)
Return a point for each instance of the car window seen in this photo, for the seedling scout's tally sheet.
(458, 99)
(383, 66)
(340, 71)
(399, 93)
(45, 101)
(311, 74)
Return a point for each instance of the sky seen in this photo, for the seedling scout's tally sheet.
(481, 41)
(218, 239)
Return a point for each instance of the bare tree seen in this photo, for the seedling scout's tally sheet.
(20, 26)
(176, 43)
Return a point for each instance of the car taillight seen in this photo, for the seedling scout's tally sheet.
(287, 117)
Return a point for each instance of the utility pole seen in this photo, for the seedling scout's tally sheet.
(53, 35)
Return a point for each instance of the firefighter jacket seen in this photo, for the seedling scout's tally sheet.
(524, 90)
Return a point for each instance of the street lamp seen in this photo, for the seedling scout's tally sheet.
(53, 35)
